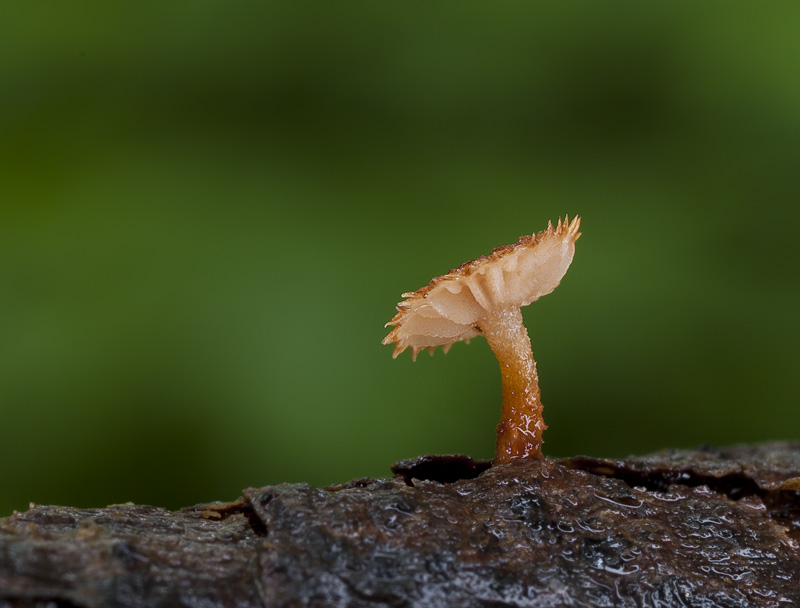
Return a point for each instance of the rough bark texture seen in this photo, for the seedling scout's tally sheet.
(707, 528)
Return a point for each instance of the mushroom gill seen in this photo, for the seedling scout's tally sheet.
(484, 297)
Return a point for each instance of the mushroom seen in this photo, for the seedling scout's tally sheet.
(484, 297)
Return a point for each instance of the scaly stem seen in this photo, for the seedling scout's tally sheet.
(519, 434)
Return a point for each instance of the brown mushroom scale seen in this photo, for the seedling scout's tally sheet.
(484, 297)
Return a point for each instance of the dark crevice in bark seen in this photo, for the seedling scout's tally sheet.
(219, 511)
(443, 469)
(782, 505)
(735, 486)
(256, 525)
(361, 482)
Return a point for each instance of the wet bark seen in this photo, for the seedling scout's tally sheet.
(705, 528)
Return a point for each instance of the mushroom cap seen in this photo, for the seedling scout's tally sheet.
(451, 306)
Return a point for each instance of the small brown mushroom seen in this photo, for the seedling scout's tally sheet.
(484, 297)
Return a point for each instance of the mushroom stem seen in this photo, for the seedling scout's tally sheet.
(519, 434)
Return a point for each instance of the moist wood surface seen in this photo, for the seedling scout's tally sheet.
(705, 528)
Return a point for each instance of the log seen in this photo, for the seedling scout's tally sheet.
(701, 528)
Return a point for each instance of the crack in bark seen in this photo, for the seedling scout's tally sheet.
(733, 485)
(443, 469)
(219, 511)
(782, 505)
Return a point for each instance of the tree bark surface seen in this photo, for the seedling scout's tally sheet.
(704, 528)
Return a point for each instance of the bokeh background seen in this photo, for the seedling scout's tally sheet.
(208, 210)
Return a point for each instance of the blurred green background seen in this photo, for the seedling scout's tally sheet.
(210, 209)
